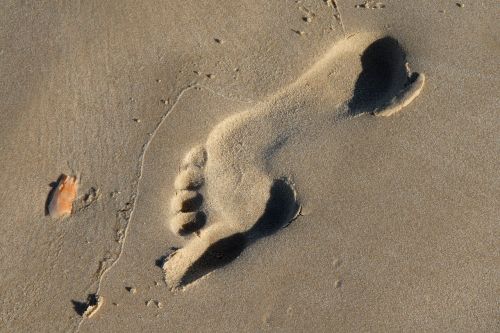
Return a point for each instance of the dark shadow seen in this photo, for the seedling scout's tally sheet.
(279, 212)
(192, 204)
(53, 187)
(280, 209)
(81, 307)
(199, 221)
(161, 260)
(383, 76)
(217, 255)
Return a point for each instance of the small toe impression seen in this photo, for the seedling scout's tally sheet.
(196, 157)
(385, 77)
(186, 201)
(190, 178)
(186, 223)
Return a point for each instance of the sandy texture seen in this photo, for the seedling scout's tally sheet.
(398, 228)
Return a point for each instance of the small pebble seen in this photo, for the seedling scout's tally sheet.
(210, 76)
(461, 5)
(114, 194)
(219, 41)
(131, 290)
(370, 4)
(158, 304)
(158, 80)
(137, 120)
(307, 19)
(338, 284)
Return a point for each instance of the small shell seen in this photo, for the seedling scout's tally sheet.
(62, 197)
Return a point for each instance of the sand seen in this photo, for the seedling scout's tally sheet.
(331, 219)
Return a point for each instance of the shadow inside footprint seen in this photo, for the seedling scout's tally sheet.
(383, 76)
(280, 210)
(196, 224)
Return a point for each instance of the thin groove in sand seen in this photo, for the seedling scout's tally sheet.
(141, 160)
(337, 6)
(144, 149)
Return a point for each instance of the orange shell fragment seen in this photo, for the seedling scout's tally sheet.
(61, 203)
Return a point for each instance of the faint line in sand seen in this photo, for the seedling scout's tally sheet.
(337, 7)
(141, 160)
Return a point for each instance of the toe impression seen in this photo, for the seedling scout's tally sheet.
(186, 201)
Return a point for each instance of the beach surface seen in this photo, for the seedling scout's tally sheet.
(316, 214)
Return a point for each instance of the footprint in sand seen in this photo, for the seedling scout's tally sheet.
(224, 192)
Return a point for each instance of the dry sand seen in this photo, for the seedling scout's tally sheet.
(398, 226)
